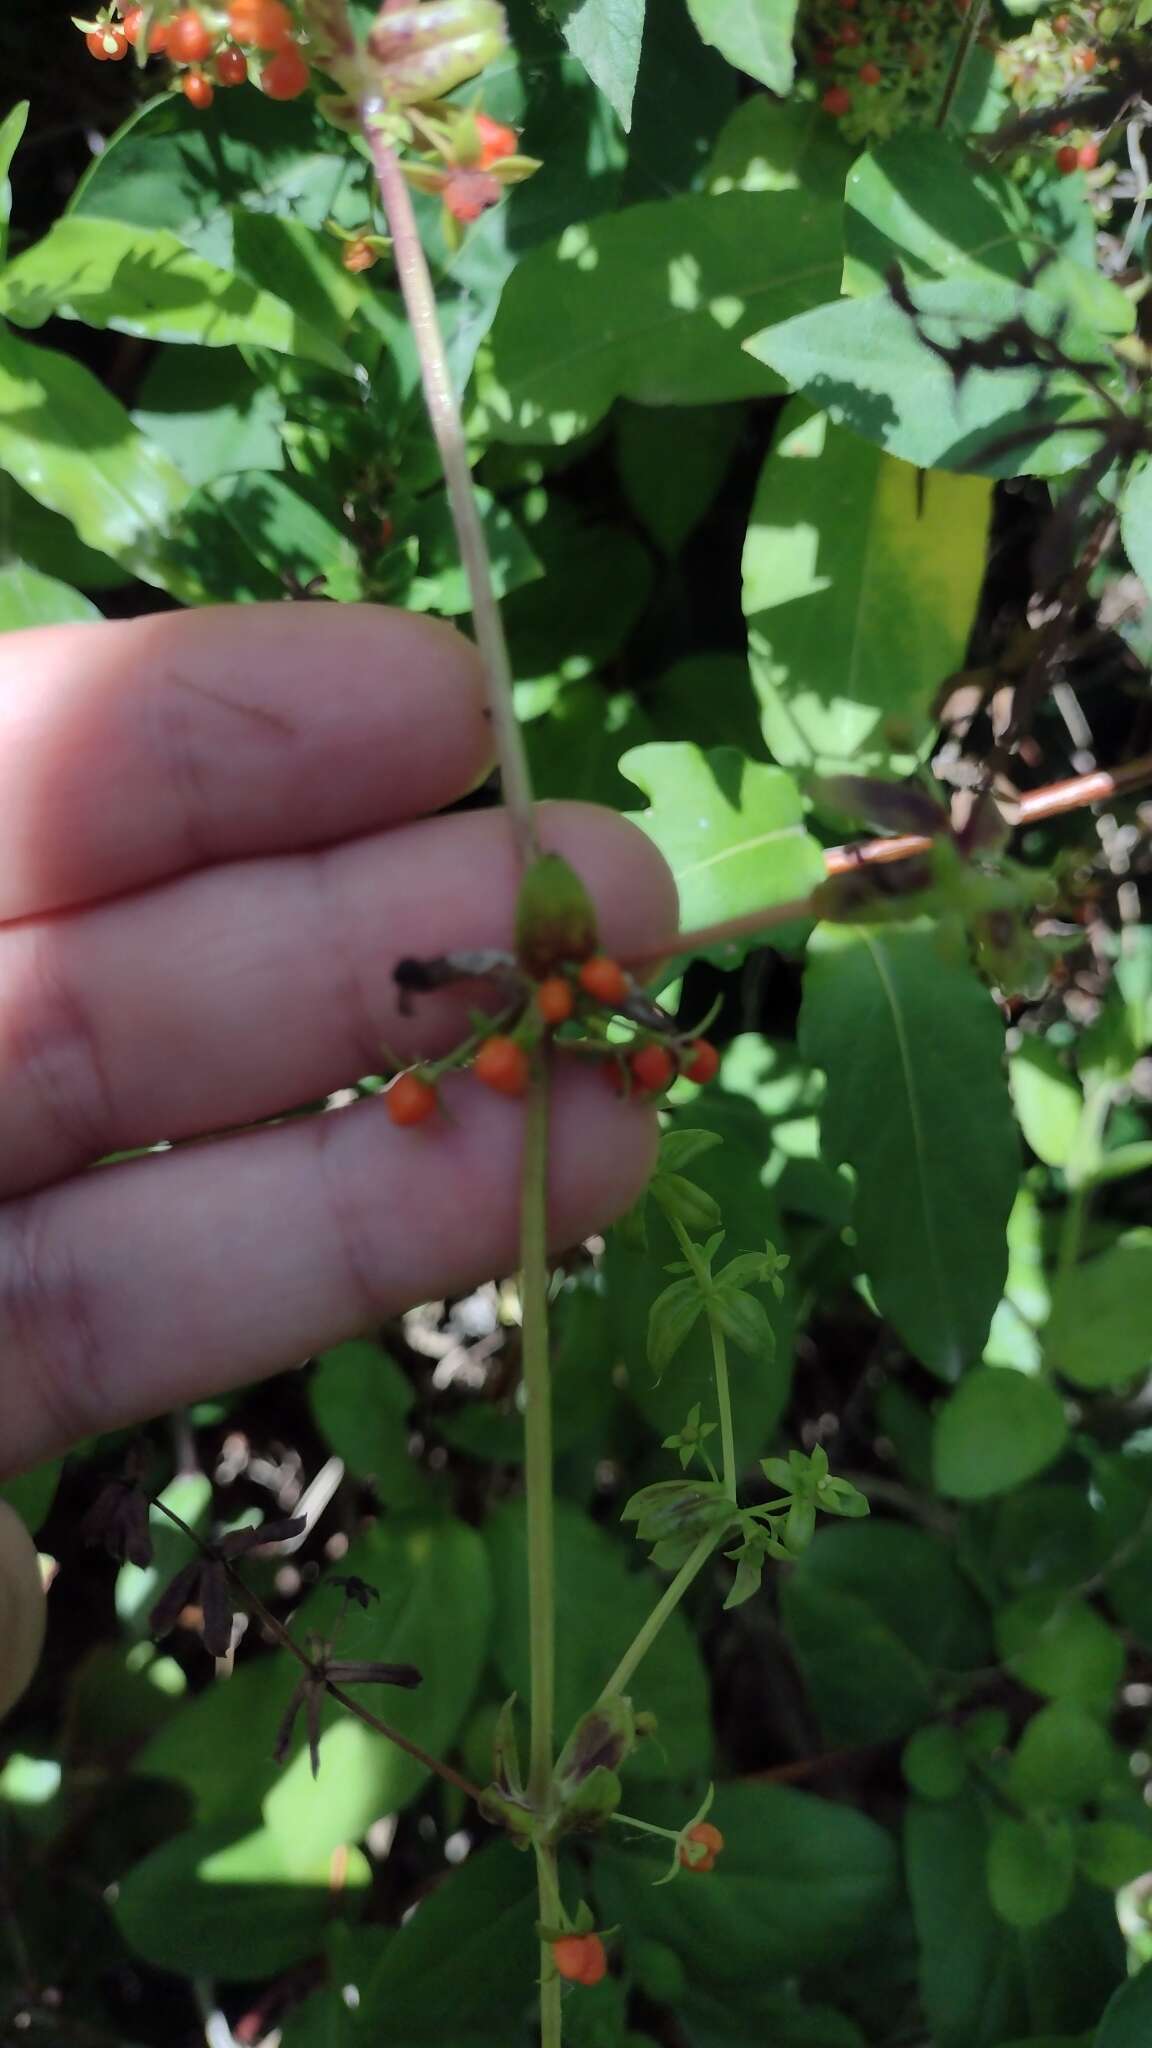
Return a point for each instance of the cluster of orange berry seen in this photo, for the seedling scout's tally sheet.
(502, 1060)
(210, 48)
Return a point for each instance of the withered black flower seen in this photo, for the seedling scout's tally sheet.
(206, 1583)
(326, 1670)
(117, 1522)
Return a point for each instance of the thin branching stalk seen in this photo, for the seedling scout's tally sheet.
(448, 428)
(973, 22)
(667, 1604)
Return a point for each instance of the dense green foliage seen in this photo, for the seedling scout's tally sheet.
(763, 521)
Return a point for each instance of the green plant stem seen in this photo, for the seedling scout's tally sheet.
(719, 1366)
(551, 1915)
(538, 1440)
(448, 429)
(973, 22)
(667, 1604)
(1081, 1171)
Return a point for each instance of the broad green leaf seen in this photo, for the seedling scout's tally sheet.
(28, 598)
(605, 35)
(45, 540)
(567, 623)
(653, 304)
(1031, 1867)
(288, 531)
(976, 224)
(1100, 1330)
(671, 499)
(208, 411)
(684, 93)
(144, 281)
(1136, 521)
(997, 1430)
(771, 145)
(1127, 2021)
(211, 1905)
(1064, 1758)
(801, 1884)
(862, 361)
(219, 1746)
(917, 1105)
(934, 1762)
(463, 1967)
(11, 135)
(1047, 1100)
(575, 749)
(602, 1602)
(361, 1402)
(730, 829)
(754, 35)
(1059, 1646)
(707, 698)
(865, 1684)
(441, 584)
(1112, 1853)
(861, 577)
(72, 446)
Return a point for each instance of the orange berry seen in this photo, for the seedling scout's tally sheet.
(286, 76)
(604, 980)
(358, 256)
(1085, 60)
(555, 1000)
(411, 1099)
(189, 39)
(197, 90)
(652, 1068)
(107, 45)
(710, 1840)
(1067, 159)
(837, 101)
(704, 1063)
(496, 140)
(1088, 155)
(502, 1065)
(580, 1958)
(157, 34)
(231, 66)
(870, 74)
(266, 24)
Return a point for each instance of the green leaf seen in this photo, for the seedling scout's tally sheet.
(1127, 2020)
(754, 35)
(1047, 1100)
(652, 304)
(28, 598)
(801, 1884)
(605, 35)
(73, 447)
(11, 135)
(934, 1762)
(997, 1430)
(730, 829)
(144, 281)
(361, 1402)
(745, 1321)
(468, 1954)
(602, 1605)
(208, 411)
(1061, 1647)
(1031, 1868)
(1100, 1330)
(1112, 1853)
(861, 577)
(912, 1047)
(210, 1905)
(773, 146)
(671, 500)
(1136, 521)
(670, 1320)
(862, 361)
(1064, 1758)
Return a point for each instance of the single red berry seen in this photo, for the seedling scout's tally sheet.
(496, 140)
(1085, 60)
(604, 980)
(1067, 159)
(107, 45)
(555, 1000)
(502, 1065)
(133, 16)
(231, 66)
(1088, 155)
(189, 38)
(157, 34)
(704, 1063)
(870, 74)
(286, 76)
(580, 1958)
(710, 1840)
(837, 101)
(848, 34)
(652, 1067)
(468, 194)
(266, 24)
(411, 1099)
(197, 90)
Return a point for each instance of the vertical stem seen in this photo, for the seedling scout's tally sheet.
(724, 1403)
(1082, 1164)
(973, 21)
(538, 1440)
(448, 428)
(551, 1914)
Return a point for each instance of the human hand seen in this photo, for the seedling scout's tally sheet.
(213, 848)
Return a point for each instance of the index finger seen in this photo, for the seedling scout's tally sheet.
(143, 748)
